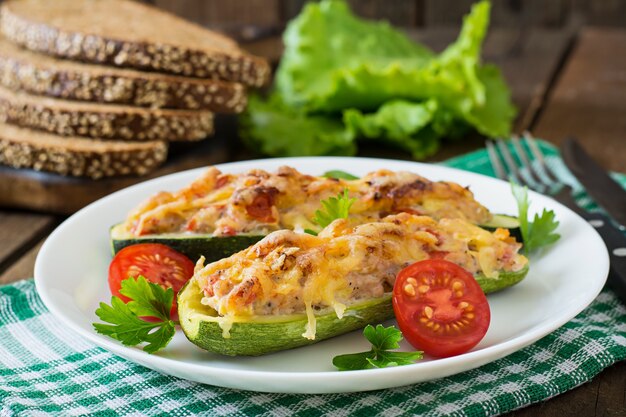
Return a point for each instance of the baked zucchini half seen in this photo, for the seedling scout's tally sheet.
(214, 248)
(262, 334)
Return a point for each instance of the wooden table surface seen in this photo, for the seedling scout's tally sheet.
(563, 84)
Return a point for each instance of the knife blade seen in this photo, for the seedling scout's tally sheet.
(615, 240)
(598, 184)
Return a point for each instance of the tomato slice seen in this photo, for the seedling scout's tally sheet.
(440, 307)
(158, 263)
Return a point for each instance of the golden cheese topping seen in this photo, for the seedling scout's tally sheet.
(258, 202)
(295, 273)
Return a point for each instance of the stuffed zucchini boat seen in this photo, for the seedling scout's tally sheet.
(219, 213)
(293, 289)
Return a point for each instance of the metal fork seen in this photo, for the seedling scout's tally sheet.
(539, 175)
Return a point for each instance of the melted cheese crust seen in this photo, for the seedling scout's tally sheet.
(289, 272)
(258, 202)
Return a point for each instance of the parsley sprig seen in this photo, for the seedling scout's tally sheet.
(541, 230)
(334, 208)
(126, 322)
(381, 355)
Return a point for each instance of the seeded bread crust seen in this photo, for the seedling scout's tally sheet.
(47, 35)
(78, 157)
(103, 121)
(44, 75)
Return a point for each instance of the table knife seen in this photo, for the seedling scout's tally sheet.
(603, 189)
(599, 185)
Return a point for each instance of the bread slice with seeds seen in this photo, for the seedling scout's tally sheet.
(39, 74)
(78, 157)
(128, 34)
(105, 121)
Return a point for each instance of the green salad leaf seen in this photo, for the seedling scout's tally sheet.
(343, 78)
(540, 231)
(126, 322)
(381, 355)
(273, 128)
(330, 54)
(410, 126)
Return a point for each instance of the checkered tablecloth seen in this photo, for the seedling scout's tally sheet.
(45, 369)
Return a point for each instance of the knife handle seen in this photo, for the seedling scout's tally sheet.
(615, 242)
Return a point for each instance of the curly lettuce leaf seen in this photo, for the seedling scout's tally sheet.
(407, 125)
(495, 116)
(325, 41)
(272, 128)
(334, 60)
(387, 87)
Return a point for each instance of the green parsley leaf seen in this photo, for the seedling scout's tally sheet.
(126, 323)
(148, 299)
(383, 339)
(339, 175)
(335, 208)
(541, 231)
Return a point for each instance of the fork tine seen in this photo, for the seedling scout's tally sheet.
(536, 178)
(510, 163)
(534, 148)
(495, 160)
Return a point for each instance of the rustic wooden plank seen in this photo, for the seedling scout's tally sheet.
(23, 268)
(397, 12)
(588, 99)
(19, 229)
(183, 8)
(229, 16)
(510, 13)
(611, 400)
(600, 13)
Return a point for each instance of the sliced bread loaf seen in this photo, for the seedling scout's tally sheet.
(79, 157)
(40, 74)
(105, 121)
(128, 34)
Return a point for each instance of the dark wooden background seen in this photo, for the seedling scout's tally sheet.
(240, 17)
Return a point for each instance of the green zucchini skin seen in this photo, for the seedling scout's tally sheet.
(213, 248)
(505, 221)
(504, 280)
(255, 338)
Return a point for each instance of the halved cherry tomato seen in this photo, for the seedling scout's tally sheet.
(158, 263)
(440, 307)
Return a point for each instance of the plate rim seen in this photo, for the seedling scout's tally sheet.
(478, 357)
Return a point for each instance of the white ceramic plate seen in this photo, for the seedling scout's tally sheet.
(71, 275)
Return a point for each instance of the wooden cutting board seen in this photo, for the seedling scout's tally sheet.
(52, 193)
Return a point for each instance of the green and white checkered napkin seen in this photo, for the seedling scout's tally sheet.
(45, 369)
